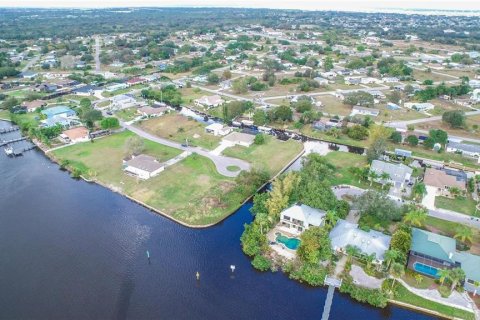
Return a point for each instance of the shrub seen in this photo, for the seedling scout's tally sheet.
(261, 263)
(374, 297)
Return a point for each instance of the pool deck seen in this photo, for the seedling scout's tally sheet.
(278, 247)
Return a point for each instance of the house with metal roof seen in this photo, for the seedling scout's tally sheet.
(398, 174)
(346, 234)
(300, 217)
(143, 166)
(58, 111)
(431, 252)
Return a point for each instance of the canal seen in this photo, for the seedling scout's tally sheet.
(75, 250)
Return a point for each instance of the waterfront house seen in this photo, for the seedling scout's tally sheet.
(31, 106)
(239, 138)
(58, 111)
(209, 101)
(431, 252)
(123, 101)
(143, 166)
(469, 150)
(346, 234)
(365, 111)
(300, 217)
(79, 134)
(398, 174)
(443, 180)
(151, 112)
(218, 129)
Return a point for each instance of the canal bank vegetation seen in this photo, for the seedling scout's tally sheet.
(190, 191)
(309, 186)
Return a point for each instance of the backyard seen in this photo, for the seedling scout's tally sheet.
(272, 156)
(179, 128)
(191, 190)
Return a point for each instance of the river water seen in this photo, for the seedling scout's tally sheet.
(75, 250)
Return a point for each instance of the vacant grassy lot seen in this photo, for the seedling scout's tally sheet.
(127, 114)
(403, 295)
(464, 205)
(442, 106)
(178, 128)
(191, 191)
(424, 75)
(342, 139)
(271, 156)
(333, 106)
(190, 94)
(343, 161)
(402, 114)
(469, 131)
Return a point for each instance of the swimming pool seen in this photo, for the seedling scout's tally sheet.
(427, 270)
(290, 243)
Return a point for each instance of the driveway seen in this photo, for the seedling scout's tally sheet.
(428, 200)
(221, 162)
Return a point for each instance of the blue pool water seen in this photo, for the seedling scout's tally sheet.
(427, 270)
(290, 243)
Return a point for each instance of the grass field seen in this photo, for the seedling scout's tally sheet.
(178, 128)
(4, 114)
(343, 161)
(464, 205)
(403, 295)
(127, 114)
(333, 106)
(271, 156)
(191, 191)
(462, 132)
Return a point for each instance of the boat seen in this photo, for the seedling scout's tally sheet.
(8, 150)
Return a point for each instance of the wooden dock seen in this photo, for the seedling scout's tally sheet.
(332, 283)
(4, 142)
(10, 129)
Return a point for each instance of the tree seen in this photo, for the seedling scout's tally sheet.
(134, 146)
(395, 97)
(457, 275)
(418, 278)
(416, 217)
(360, 98)
(358, 132)
(391, 256)
(396, 137)
(352, 251)
(378, 204)
(328, 64)
(240, 85)
(85, 103)
(227, 74)
(283, 113)
(464, 234)
(10, 103)
(213, 78)
(260, 118)
(397, 270)
(412, 140)
(259, 139)
(455, 118)
(376, 149)
(109, 123)
(331, 219)
(443, 274)
(253, 241)
(419, 190)
(315, 246)
(282, 189)
(401, 240)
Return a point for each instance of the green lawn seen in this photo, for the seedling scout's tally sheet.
(177, 127)
(465, 205)
(343, 161)
(403, 295)
(4, 114)
(272, 156)
(127, 114)
(191, 190)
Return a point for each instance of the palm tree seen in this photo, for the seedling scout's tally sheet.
(372, 175)
(356, 172)
(331, 219)
(418, 278)
(351, 251)
(384, 176)
(369, 260)
(443, 274)
(456, 275)
(391, 256)
(464, 234)
(416, 217)
(397, 270)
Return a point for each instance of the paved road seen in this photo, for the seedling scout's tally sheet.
(327, 92)
(30, 63)
(403, 124)
(221, 162)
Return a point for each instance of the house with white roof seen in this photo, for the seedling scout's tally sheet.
(300, 217)
(346, 234)
(218, 129)
(365, 111)
(143, 166)
(419, 106)
(398, 174)
(209, 101)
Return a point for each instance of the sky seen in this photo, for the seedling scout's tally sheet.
(343, 5)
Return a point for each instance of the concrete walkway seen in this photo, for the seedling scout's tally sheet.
(456, 299)
(221, 162)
